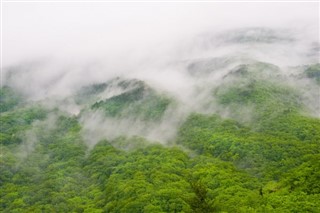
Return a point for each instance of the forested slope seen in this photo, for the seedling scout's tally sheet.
(228, 133)
(268, 163)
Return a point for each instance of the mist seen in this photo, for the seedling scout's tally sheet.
(184, 50)
(131, 32)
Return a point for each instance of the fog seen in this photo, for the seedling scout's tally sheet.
(52, 49)
(121, 33)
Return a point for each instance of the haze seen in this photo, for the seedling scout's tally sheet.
(121, 33)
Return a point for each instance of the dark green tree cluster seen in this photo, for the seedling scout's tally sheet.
(141, 102)
(8, 99)
(313, 72)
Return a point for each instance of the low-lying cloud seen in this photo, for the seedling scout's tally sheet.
(51, 50)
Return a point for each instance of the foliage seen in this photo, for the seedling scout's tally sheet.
(8, 99)
(215, 164)
(313, 72)
(17, 121)
(141, 102)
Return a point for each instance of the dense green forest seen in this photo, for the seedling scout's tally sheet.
(268, 162)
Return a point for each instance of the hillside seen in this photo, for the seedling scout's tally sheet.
(243, 135)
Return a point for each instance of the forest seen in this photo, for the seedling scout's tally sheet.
(267, 161)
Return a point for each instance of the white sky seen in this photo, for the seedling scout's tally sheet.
(87, 31)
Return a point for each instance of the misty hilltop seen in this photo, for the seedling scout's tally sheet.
(226, 121)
